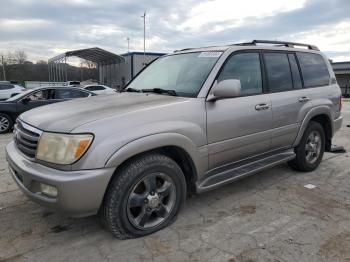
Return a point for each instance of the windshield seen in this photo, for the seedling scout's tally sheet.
(20, 95)
(183, 73)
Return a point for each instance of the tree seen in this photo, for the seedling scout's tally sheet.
(20, 57)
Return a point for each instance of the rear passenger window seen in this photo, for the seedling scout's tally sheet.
(6, 86)
(246, 68)
(278, 72)
(313, 69)
(295, 72)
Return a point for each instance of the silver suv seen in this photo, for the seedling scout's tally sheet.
(191, 121)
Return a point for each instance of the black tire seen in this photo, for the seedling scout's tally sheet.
(6, 123)
(116, 213)
(301, 162)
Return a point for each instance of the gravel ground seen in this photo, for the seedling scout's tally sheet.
(267, 217)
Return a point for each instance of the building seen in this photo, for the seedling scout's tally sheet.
(118, 74)
(342, 73)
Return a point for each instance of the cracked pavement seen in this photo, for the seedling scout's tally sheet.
(270, 216)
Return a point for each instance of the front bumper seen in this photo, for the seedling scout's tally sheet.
(80, 193)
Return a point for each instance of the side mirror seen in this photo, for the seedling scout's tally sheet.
(25, 100)
(225, 89)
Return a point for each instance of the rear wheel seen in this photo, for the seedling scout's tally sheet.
(310, 150)
(145, 196)
(6, 123)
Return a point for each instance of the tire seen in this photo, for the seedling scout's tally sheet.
(309, 153)
(6, 123)
(144, 196)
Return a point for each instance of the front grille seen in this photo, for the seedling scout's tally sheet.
(26, 138)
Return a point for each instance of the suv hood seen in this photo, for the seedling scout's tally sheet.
(66, 116)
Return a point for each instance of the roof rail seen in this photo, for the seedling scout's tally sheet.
(282, 43)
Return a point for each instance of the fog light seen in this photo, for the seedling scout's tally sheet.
(48, 190)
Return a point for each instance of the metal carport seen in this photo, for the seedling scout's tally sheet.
(103, 59)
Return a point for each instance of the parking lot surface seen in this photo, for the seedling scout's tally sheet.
(271, 216)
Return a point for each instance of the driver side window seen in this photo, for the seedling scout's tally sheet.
(37, 96)
(246, 68)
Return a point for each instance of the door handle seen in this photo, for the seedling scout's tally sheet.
(260, 107)
(303, 99)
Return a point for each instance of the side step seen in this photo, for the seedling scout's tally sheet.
(238, 172)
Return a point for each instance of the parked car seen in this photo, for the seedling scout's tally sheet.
(73, 83)
(99, 89)
(191, 121)
(8, 90)
(14, 106)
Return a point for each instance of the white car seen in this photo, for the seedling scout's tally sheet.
(8, 90)
(99, 89)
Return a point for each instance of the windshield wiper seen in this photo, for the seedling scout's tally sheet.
(160, 91)
(131, 90)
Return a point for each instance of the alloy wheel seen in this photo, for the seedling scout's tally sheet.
(151, 201)
(4, 123)
(313, 147)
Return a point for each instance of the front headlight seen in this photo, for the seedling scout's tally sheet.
(62, 148)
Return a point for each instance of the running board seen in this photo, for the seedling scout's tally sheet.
(242, 171)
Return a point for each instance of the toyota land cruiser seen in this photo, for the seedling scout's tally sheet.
(191, 121)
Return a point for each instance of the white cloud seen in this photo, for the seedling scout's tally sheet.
(330, 39)
(235, 12)
(22, 24)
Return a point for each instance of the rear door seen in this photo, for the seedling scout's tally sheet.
(290, 102)
(240, 127)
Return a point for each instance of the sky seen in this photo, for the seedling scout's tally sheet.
(45, 28)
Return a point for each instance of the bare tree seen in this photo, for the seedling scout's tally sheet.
(10, 58)
(20, 57)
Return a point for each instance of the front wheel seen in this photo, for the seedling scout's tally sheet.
(144, 196)
(6, 123)
(310, 150)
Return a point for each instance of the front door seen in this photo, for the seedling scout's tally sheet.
(238, 128)
(33, 100)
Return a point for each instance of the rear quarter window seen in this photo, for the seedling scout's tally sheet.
(314, 69)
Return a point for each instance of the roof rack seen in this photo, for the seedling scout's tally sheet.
(280, 43)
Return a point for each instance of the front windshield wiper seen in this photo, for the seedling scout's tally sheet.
(131, 90)
(160, 91)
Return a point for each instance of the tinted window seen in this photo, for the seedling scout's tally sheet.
(98, 88)
(69, 93)
(278, 72)
(295, 72)
(314, 69)
(246, 68)
(90, 88)
(6, 86)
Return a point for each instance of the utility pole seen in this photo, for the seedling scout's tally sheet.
(144, 38)
(3, 67)
(128, 39)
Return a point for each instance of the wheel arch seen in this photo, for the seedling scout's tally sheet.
(176, 146)
(323, 116)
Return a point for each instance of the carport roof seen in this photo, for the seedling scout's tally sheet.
(95, 54)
